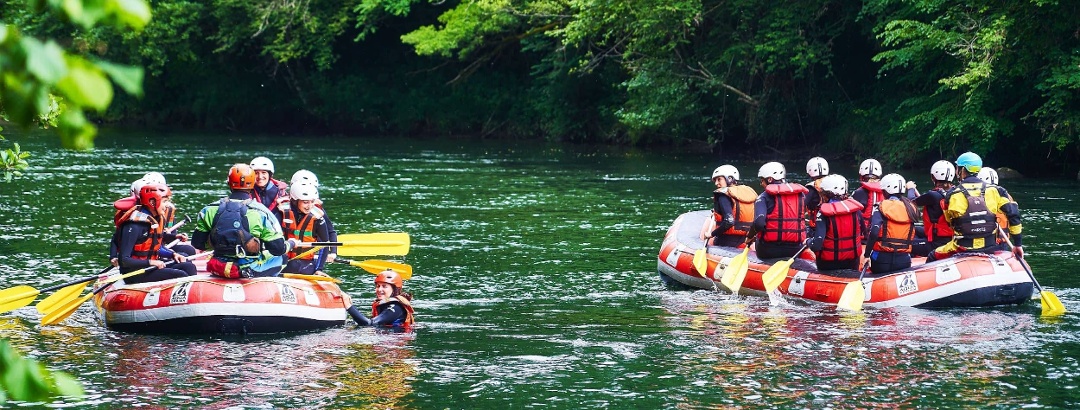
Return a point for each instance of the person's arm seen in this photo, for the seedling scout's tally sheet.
(200, 238)
(393, 312)
(728, 217)
(818, 240)
(321, 235)
(875, 232)
(761, 208)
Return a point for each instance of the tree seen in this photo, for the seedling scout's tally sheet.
(44, 84)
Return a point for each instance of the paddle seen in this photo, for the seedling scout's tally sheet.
(376, 266)
(373, 244)
(854, 292)
(311, 278)
(701, 260)
(735, 272)
(64, 309)
(774, 276)
(22, 295)
(1051, 305)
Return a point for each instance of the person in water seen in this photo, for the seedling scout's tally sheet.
(391, 308)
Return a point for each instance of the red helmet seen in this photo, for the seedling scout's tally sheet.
(389, 277)
(241, 176)
(152, 195)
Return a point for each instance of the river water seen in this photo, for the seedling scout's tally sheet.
(536, 287)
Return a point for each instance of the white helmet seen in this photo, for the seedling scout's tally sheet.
(263, 164)
(893, 184)
(943, 171)
(154, 177)
(728, 171)
(774, 170)
(835, 184)
(137, 185)
(304, 176)
(988, 175)
(870, 167)
(817, 167)
(303, 192)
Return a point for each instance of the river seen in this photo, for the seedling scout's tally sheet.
(535, 284)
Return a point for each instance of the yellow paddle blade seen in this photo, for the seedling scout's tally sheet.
(701, 262)
(64, 311)
(376, 266)
(61, 296)
(16, 297)
(311, 278)
(374, 244)
(853, 296)
(1051, 306)
(735, 272)
(774, 276)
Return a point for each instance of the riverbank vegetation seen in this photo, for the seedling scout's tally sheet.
(906, 81)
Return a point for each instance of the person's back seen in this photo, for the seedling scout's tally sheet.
(938, 230)
(892, 228)
(779, 214)
(817, 168)
(837, 239)
(869, 193)
(245, 236)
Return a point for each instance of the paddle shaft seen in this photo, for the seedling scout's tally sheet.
(76, 281)
(1023, 263)
(145, 270)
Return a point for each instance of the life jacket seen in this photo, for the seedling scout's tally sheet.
(785, 222)
(874, 196)
(742, 198)
(229, 231)
(269, 196)
(123, 206)
(897, 228)
(168, 218)
(844, 237)
(939, 228)
(147, 247)
(978, 221)
(811, 214)
(299, 227)
(409, 313)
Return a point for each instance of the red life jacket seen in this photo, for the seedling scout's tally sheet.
(897, 228)
(939, 228)
(299, 227)
(843, 239)
(743, 198)
(874, 196)
(124, 206)
(409, 313)
(785, 222)
(148, 247)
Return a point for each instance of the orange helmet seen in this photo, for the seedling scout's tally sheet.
(151, 195)
(241, 176)
(389, 277)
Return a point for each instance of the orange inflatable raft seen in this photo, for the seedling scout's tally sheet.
(205, 304)
(964, 280)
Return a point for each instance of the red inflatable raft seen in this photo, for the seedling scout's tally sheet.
(205, 304)
(962, 281)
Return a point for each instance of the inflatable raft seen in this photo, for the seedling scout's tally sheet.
(205, 304)
(964, 280)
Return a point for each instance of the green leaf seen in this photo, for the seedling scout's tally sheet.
(85, 85)
(75, 131)
(133, 13)
(128, 77)
(44, 61)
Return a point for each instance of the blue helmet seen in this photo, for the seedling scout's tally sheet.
(969, 160)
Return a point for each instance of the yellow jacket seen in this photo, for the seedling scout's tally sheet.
(1000, 205)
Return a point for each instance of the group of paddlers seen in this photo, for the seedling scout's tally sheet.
(260, 229)
(875, 227)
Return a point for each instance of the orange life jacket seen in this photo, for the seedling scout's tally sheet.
(148, 247)
(785, 222)
(124, 206)
(409, 313)
(299, 227)
(843, 240)
(897, 228)
(811, 214)
(743, 198)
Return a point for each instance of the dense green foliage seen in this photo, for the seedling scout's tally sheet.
(904, 80)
